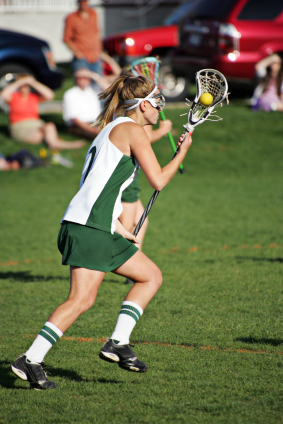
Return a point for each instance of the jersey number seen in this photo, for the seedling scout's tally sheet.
(92, 152)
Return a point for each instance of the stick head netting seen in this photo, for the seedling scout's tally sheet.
(147, 67)
(214, 83)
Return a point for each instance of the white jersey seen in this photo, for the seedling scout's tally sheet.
(106, 173)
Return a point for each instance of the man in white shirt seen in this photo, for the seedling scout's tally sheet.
(81, 105)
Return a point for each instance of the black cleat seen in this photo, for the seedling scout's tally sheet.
(34, 373)
(122, 355)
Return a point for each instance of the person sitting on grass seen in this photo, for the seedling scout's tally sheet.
(80, 103)
(93, 241)
(81, 106)
(6, 165)
(268, 95)
(25, 123)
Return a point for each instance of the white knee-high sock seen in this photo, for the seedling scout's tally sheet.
(43, 342)
(128, 317)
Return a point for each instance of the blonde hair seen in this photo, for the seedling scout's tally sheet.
(123, 88)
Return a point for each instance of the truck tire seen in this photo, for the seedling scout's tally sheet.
(9, 72)
(175, 88)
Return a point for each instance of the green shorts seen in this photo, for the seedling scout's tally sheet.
(91, 248)
(132, 193)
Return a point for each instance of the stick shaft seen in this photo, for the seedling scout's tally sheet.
(152, 200)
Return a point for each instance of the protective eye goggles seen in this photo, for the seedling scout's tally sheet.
(157, 101)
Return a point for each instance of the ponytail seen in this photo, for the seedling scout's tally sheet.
(123, 88)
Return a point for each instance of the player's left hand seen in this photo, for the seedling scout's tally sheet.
(165, 126)
(120, 229)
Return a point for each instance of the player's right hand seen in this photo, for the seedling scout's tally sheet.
(186, 143)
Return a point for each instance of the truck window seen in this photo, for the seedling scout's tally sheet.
(261, 10)
(217, 9)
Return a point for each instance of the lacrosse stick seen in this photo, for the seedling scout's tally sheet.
(208, 81)
(148, 67)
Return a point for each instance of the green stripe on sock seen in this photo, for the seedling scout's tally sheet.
(131, 308)
(47, 337)
(129, 313)
(51, 332)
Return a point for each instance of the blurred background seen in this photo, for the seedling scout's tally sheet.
(231, 36)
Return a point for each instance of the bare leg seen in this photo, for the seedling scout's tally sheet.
(54, 142)
(84, 286)
(36, 137)
(147, 276)
(280, 106)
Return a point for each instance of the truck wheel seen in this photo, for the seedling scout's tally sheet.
(174, 88)
(9, 72)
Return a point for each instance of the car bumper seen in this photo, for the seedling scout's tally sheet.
(241, 69)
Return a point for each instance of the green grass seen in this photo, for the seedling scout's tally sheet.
(212, 337)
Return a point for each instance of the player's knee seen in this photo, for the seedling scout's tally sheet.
(157, 278)
(88, 303)
(83, 304)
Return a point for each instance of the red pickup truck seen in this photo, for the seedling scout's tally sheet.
(156, 41)
(230, 36)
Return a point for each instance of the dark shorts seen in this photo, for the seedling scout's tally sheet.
(132, 193)
(91, 248)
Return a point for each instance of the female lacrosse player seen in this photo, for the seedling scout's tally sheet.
(131, 202)
(93, 241)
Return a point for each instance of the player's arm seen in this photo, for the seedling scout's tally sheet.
(140, 146)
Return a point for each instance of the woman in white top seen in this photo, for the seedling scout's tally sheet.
(92, 240)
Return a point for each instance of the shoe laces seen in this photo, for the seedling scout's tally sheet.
(43, 366)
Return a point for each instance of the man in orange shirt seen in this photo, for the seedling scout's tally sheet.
(82, 36)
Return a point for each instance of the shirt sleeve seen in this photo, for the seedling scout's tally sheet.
(261, 73)
(68, 31)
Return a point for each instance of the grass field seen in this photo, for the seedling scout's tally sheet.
(212, 337)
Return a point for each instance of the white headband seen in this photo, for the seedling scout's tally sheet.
(138, 100)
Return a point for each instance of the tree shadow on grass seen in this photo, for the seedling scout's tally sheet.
(8, 379)
(25, 277)
(57, 119)
(250, 258)
(111, 280)
(253, 340)
(4, 130)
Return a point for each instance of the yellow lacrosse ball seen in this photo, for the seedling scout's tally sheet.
(206, 99)
(42, 153)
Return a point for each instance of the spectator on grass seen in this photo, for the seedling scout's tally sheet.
(82, 36)
(25, 123)
(81, 105)
(6, 165)
(268, 95)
